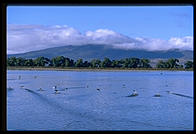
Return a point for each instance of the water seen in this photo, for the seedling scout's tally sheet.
(82, 107)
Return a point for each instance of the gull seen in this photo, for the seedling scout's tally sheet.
(54, 87)
(134, 92)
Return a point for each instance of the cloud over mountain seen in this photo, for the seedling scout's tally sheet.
(24, 38)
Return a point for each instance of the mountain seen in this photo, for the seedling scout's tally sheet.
(89, 52)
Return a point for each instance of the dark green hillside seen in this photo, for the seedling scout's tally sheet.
(187, 54)
(89, 52)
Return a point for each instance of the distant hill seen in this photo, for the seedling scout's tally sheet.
(89, 52)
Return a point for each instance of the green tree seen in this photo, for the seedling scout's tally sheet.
(116, 63)
(79, 63)
(11, 61)
(161, 64)
(106, 63)
(173, 63)
(181, 66)
(41, 61)
(29, 62)
(145, 63)
(170, 63)
(188, 65)
(124, 62)
(67, 62)
(95, 63)
(72, 63)
(58, 61)
(133, 62)
(86, 64)
(20, 61)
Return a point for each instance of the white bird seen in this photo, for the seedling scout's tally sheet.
(54, 87)
(134, 92)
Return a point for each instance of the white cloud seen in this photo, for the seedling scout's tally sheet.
(182, 43)
(185, 43)
(24, 38)
(105, 36)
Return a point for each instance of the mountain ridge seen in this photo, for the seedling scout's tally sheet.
(93, 51)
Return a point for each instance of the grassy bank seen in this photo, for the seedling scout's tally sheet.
(93, 69)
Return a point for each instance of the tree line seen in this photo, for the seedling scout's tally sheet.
(61, 61)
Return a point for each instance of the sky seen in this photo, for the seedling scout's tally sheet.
(127, 27)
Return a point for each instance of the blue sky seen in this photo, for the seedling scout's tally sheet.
(126, 27)
(161, 22)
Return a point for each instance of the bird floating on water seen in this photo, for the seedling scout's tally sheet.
(66, 88)
(98, 89)
(55, 89)
(9, 88)
(134, 92)
(40, 89)
(169, 92)
(157, 95)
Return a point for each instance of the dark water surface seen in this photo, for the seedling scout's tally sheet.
(80, 106)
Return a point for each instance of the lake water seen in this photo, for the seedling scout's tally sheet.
(80, 106)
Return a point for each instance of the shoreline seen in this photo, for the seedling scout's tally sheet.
(91, 69)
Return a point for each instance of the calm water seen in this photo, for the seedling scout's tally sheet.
(82, 107)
